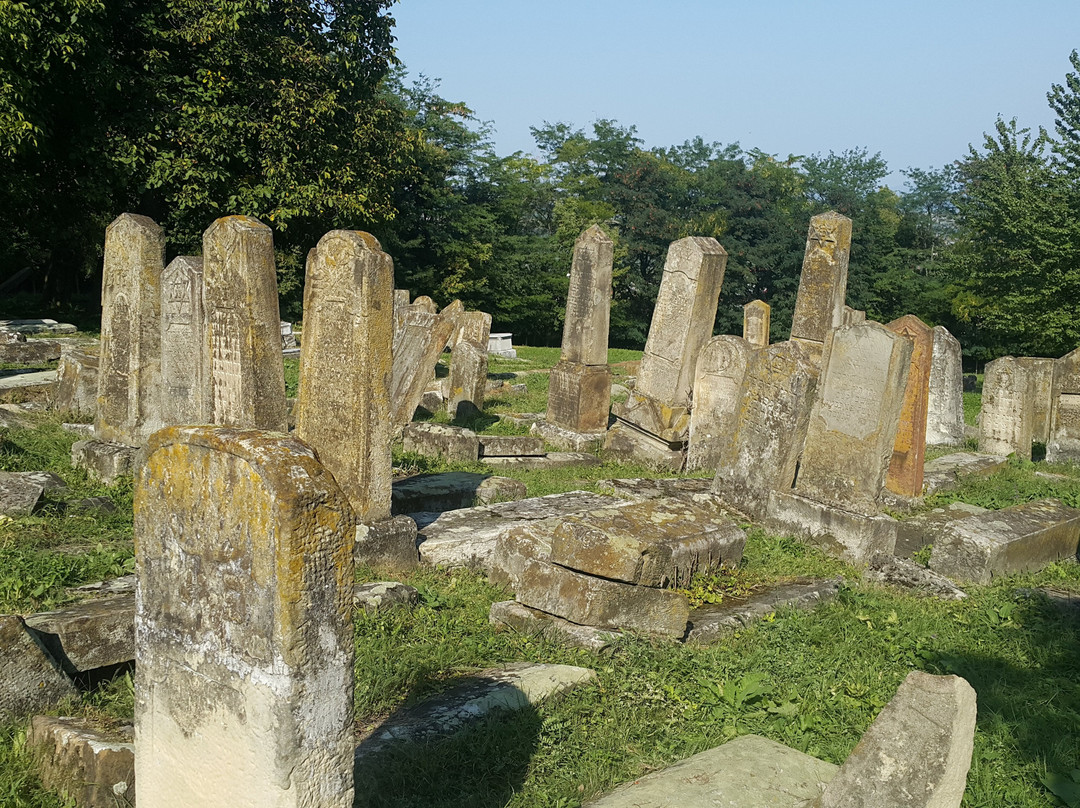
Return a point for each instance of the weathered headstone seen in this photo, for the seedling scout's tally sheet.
(905, 475)
(819, 305)
(129, 381)
(77, 380)
(755, 329)
(425, 303)
(243, 334)
(1005, 423)
(186, 398)
(579, 392)
(346, 363)
(853, 316)
(401, 298)
(1041, 380)
(469, 365)
(419, 338)
(454, 311)
(244, 647)
(718, 388)
(945, 401)
(1064, 442)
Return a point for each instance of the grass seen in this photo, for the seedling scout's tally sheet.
(811, 680)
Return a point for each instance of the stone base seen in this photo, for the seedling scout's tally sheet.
(551, 460)
(78, 760)
(440, 440)
(945, 472)
(388, 544)
(655, 488)
(579, 396)
(923, 529)
(568, 439)
(628, 444)
(899, 502)
(448, 491)
(853, 537)
(509, 615)
(106, 461)
(510, 446)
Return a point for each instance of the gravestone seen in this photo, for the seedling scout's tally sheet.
(1041, 380)
(755, 329)
(469, 364)
(243, 334)
(401, 298)
(1064, 442)
(905, 475)
(244, 639)
(454, 311)
(425, 303)
(579, 390)
(761, 452)
(654, 422)
(853, 316)
(419, 338)
(1005, 422)
(819, 305)
(718, 387)
(346, 362)
(77, 380)
(945, 401)
(129, 379)
(183, 343)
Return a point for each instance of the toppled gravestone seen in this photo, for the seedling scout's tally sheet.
(551, 460)
(30, 680)
(81, 761)
(945, 472)
(382, 595)
(29, 352)
(710, 623)
(655, 488)
(906, 574)
(96, 634)
(509, 615)
(923, 529)
(19, 495)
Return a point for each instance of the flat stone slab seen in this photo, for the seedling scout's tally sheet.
(37, 326)
(19, 495)
(945, 472)
(86, 430)
(113, 586)
(1021, 538)
(94, 769)
(30, 680)
(903, 573)
(467, 538)
(923, 529)
(451, 490)
(713, 622)
(19, 380)
(509, 615)
(525, 419)
(552, 460)
(31, 352)
(648, 488)
(748, 772)
(568, 439)
(510, 446)
(382, 595)
(89, 635)
(853, 537)
(512, 687)
(441, 440)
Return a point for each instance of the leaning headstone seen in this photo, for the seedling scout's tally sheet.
(905, 475)
(579, 392)
(243, 335)
(244, 648)
(718, 388)
(945, 401)
(654, 422)
(819, 305)
(454, 311)
(1041, 380)
(1064, 442)
(129, 381)
(419, 338)
(755, 329)
(469, 365)
(183, 343)
(30, 680)
(1005, 423)
(346, 364)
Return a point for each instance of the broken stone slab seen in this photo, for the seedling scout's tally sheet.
(923, 529)
(568, 439)
(79, 760)
(388, 543)
(88, 506)
(31, 352)
(28, 380)
(945, 472)
(382, 595)
(451, 490)
(37, 326)
(468, 537)
(86, 430)
(853, 537)
(509, 688)
(552, 460)
(655, 488)
(904, 573)
(916, 753)
(105, 461)
(94, 634)
(441, 440)
(626, 442)
(113, 586)
(49, 480)
(1020, 538)
(509, 615)
(510, 446)
(30, 680)
(713, 622)
(19, 496)
(525, 419)
(748, 772)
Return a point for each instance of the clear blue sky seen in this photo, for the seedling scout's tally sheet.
(917, 81)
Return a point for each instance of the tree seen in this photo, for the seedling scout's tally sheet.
(1065, 102)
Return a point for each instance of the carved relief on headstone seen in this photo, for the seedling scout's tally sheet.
(905, 476)
(186, 398)
(945, 401)
(1005, 422)
(718, 389)
(819, 305)
(1064, 442)
(755, 330)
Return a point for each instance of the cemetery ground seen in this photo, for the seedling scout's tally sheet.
(812, 680)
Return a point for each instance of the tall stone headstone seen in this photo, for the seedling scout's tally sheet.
(905, 476)
(243, 623)
(945, 402)
(187, 398)
(469, 365)
(755, 329)
(1041, 379)
(819, 305)
(654, 423)
(454, 311)
(1005, 422)
(129, 379)
(718, 389)
(346, 362)
(419, 339)
(852, 430)
(1064, 441)
(761, 452)
(579, 393)
(243, 335)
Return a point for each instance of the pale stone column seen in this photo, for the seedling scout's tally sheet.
(243, 624)
(945, 400)
(819, 305)
(1005, 422)
(718, 388)
(129, 381)
(1064, 442)
(346, 362)
(187, 398)
(755, 329)
(905, 475)
(243, 332)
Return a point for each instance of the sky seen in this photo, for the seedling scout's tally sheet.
(916, 81)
